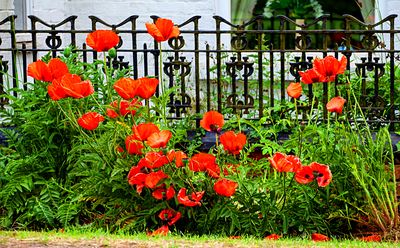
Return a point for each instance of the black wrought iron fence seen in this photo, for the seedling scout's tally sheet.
(235, 69)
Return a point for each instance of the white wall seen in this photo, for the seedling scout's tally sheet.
(385, 8)
(117, 10)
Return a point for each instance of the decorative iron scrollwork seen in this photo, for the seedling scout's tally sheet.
(176, 43)
(53, 41)
(117, 63)
(370, 65)
(120, 43)
(303, 41)
(3, 65)
(375, 107)
(370, 41)
(3, 70)
(372, 103)
(245, 103)
(178, 103)
(239, 42)
(298, 65)
(179, 106)
(235, 101)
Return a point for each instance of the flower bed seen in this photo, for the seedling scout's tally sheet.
(93, 146)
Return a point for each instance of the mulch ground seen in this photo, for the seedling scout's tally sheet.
(9, 242)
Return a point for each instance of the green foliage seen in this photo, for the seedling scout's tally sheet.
(57, 174)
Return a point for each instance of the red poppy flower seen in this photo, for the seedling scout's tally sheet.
(144, 130)
(310, 76)
(40, 71)
(336, 105)
(153, 178)
(159, 139)
(119, 149)
(90, 120)
(329, 67)
(201, 161)
(162, 30)
(137, 176)
(178, 156)
(155, 160)
(146, 87)
(294, 90)
(212, 121)
(319, 237)
(126, 107)
(322, 173)
(273, 237)
(55, 69)
(73, 86)
(197, 196)
(233, 142)
(134, 171)
(111, 112)
(102, 40)
(162, 231)
(235, 237)
(185, 200)
(307, 174)
(55, 91)
(225, 187)
(213, 170)
(161, 193)
(132, 145)
(170, 216)
(304, 175)
(372, 238)
(285, 163)
(126, 88)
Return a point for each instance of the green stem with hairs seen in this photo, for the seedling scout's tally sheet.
(109, 88)
(74, 122)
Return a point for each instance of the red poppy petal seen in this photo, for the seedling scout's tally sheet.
(319, 237)
(57, 68)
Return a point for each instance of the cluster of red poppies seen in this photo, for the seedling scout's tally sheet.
(303, 174)
(62, 84)
(324, 70)
(149, 171)
(149, 142)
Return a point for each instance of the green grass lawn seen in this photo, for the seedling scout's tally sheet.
(79, 238)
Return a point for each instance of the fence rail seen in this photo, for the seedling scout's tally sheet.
(236, 69)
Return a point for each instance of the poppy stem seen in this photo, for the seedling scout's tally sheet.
(327, 130)
(161, 84)
(100, 106)
(311, 109)
(160, 74)
(296, 110)
(284, 191)
(70, 116)
(106, 74)
(298, 126)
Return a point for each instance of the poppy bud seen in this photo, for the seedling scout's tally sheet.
(67, 51)
(112, 53)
